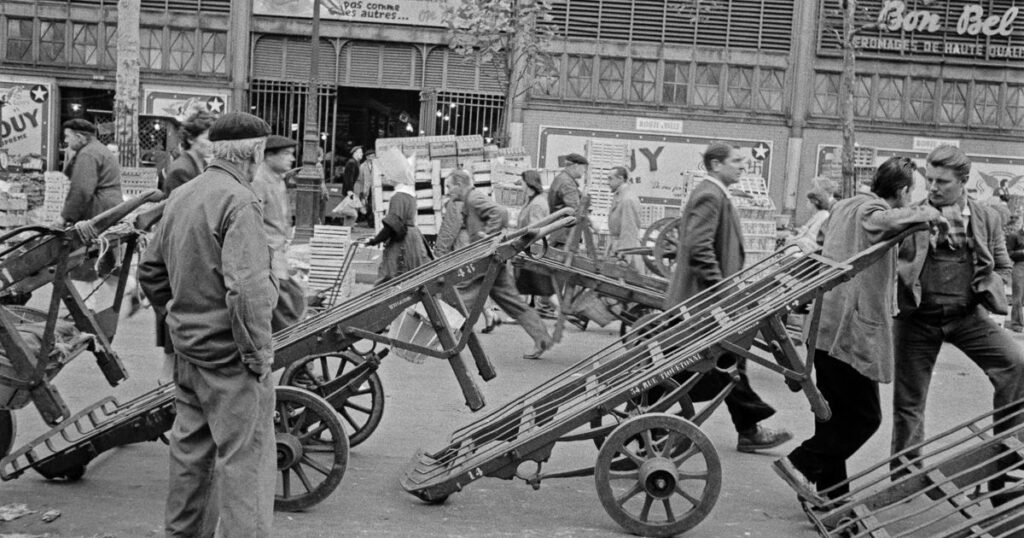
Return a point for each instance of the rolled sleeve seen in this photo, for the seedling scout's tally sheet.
(251, 290)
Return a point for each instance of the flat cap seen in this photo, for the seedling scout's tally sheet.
(80, 125)
(238, 126)
(276, 142)
(575, 158)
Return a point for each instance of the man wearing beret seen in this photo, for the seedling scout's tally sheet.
(565, 192)
(208, 268)
(269, 186)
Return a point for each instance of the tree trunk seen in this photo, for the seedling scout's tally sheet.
(126, 101)
(519, 79)
(847, 103)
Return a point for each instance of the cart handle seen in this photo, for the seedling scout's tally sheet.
(108, 218)
(534, 233)
(561, 213)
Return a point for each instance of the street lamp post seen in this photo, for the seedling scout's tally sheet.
(308, 205)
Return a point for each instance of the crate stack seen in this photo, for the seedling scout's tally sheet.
(428, 196)
(137, 180)
(603, 156)
(13, 211)
(328, 249)
(56, 191)
(757, 218)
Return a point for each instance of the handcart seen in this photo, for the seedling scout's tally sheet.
(656, 472)
(326, 376)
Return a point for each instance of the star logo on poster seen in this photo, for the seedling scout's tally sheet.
(39, 93)
(760, 151)
(215, 104)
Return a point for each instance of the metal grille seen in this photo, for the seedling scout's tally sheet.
(765, 25)
(283, 106)
(468, 114)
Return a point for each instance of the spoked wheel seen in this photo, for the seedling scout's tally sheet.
(668, 491)
(360, 403)
(312, 449)
(665, 247)
(8, 429)
(644, 404)
(649, 240)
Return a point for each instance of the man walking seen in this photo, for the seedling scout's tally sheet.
(208, 266)
(624, 214)
(947, 285)
(854, 350)
(711, 243)
(565, 192)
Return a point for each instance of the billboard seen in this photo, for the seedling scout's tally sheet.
(404, 12)
(25, 121)
(175, 102)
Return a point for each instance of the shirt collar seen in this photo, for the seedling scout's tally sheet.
(720, 185)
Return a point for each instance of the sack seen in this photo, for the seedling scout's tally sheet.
(349, 207)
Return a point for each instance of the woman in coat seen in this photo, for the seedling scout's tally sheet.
(536, 209)
(404, 246)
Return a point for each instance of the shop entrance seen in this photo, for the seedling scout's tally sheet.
(366, 114)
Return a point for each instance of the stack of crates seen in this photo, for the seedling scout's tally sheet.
(757, 218)
(603, 156)
(428, 196)
(328, 249)
(470, 150)
(13, 211)
(137, 180)
(56, 191)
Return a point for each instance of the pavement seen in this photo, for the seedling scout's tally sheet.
(123, 491)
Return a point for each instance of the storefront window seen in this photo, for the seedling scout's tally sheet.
(150, 48)
(890, 98)
(1015, 106)
(706, 85)
(862, 96)
(83, 44)
(985, 111)
(612, 79)
(215, 48)
(182, 53)
(110, 53)
(642, 80)
(580, 76)
(954, 101)
(548, 70)
(677, 77)
(741, 82)
(922, 100)
(52, 41)
(769, 89)
(19, 39)
(826, 95)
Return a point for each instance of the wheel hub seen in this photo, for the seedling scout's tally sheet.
(289, 450)
(658, 476)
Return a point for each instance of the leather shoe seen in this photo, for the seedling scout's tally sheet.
(761, 438)
(538, 350)
(796, 480)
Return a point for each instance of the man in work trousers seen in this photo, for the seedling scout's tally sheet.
(208, 265)
(565, 192)
(624, 215)
(854, 350)
(711, 243)
(947, 285)
(482, 217)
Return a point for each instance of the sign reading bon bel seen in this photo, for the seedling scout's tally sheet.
(176, 102)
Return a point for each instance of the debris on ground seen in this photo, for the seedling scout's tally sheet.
(10, 512)
(50, 515)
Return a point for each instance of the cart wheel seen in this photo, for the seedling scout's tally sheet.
(361, 406)
(666, 493)
(665, 247)
(8, 429)
(649, 239)
(312, 449)
(645, 404)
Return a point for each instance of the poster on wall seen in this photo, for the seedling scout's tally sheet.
(987, 171)
(658, 164)
(406, 12)
(175, 102)
(25, 118)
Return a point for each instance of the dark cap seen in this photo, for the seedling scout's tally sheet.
(532, 180)
(238, 126)
(276, 142)
(80, 125)
(575, 158)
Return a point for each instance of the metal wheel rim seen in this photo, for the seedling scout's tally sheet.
(324, 443)
(8, 430)
(650, 238)
(624, 497)
(665, 245)
(362, 413)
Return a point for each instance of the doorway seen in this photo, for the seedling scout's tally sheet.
(366, 114)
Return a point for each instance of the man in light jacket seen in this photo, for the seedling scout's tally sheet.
(624, 214)
(854, 351)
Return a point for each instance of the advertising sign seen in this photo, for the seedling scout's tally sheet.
(987, 171)
(406, 12)
(659, 164)
(175, 102)
(25, 122)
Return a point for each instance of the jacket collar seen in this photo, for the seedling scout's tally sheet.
(230, 169)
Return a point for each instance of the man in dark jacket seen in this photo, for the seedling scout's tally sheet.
(565, 192)
(1015, 248)
(712, 247)
(208, 267)
(95, 176)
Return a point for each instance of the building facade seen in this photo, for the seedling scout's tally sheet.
(657, 81)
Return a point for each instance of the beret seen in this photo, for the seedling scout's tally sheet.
(275, 142)
(238, 126)
(78, 124)
(575, 158)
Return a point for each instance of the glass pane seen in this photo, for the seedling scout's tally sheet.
(862, 96)
(739, 89)
(51, 41)
(706, 85)
(643, 79)
(922, 100)
(19, 39)
(986, 105)
(674, 87)
(182, 54)
(581, 70)
(612, 78)
(890, 97)
(826, 94)
(150, 53)
(770, 89)
(83, 44)
(954, 99)
(214, 52)
(110, 47)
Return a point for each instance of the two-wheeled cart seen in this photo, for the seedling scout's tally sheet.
(327, 378)
(656, 472)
